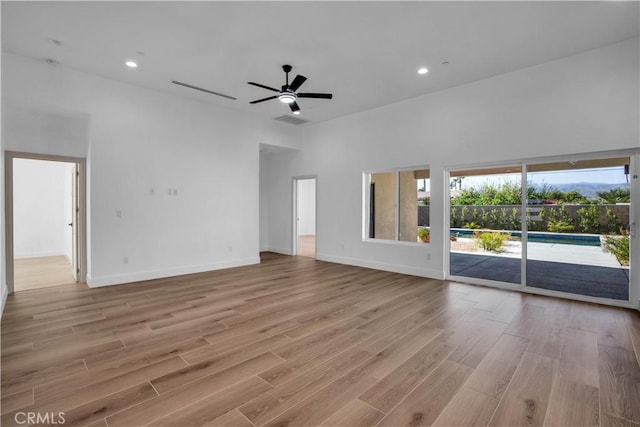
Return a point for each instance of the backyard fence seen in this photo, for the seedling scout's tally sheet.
(560, 218)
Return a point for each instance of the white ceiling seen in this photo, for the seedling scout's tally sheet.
(365, 53)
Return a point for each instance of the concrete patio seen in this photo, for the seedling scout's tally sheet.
(584, 270)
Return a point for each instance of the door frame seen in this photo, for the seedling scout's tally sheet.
(634, 211)
(294, 246)
(81, 226)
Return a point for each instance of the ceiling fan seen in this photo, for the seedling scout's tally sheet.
(287, 94)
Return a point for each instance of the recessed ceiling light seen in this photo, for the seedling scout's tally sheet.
(297, 113)
(131, 64)
(423, 70)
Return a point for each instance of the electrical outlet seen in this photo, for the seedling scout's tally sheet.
(126, 260)
(428, 256)
(118, 214)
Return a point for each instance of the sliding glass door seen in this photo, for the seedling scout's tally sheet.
(578, 227)
(485, 224)
(562, 226)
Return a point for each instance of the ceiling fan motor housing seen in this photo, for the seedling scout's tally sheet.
(287, 96)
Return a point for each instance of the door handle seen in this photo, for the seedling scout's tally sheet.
(70, 224)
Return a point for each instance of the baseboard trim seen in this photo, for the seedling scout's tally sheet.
(118, 279)
(38, 255)
(376, 265)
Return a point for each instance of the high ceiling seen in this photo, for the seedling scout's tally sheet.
(366, 53)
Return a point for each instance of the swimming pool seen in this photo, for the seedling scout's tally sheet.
(542, 237)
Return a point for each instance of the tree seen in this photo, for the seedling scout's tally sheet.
(511, 194)
(456, 183)
(615, 195)
(548, 192)
(488, 194)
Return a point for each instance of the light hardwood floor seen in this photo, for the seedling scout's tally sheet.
(41, 272)
(296, 341)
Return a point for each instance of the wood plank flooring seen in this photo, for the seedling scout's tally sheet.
(41, 272)
(299, 342)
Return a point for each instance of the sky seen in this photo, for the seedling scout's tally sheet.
(612, 175)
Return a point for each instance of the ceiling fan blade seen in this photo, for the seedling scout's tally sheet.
(263, 86)
(263, 99)
(315, 95)
(294, 106)
(297, 82)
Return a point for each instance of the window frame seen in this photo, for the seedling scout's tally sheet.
(366, 201)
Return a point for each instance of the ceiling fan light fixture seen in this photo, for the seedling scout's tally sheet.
(297, 113)
(287, 97)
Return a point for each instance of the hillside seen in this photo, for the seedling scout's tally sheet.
(589, 189)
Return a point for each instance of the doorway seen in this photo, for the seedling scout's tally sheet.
(561, 227)
(305, 217)
(578, 231)
(45, 217)
(484, 229)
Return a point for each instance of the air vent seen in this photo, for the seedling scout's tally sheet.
(291, 120)
(175, 82)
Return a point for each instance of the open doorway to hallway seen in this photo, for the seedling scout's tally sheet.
(305, 224)
(45, 223)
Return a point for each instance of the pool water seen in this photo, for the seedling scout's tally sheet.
(542, 237)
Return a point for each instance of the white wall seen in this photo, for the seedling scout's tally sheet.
(140, 143)
(583, 103)
(41, 208)
(4, 290)
(306, 207)
(263, 202)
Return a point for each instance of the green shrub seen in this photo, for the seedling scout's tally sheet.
(464, 212)
(424, 234)
(619, 247)
(559, 226)
(514, 221)
(475, 217)
(453, 220)
(491, 241)
(589, 219)
(503, 219)
(614, 225)
(471, 225)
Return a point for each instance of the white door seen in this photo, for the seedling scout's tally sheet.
(305, 218)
